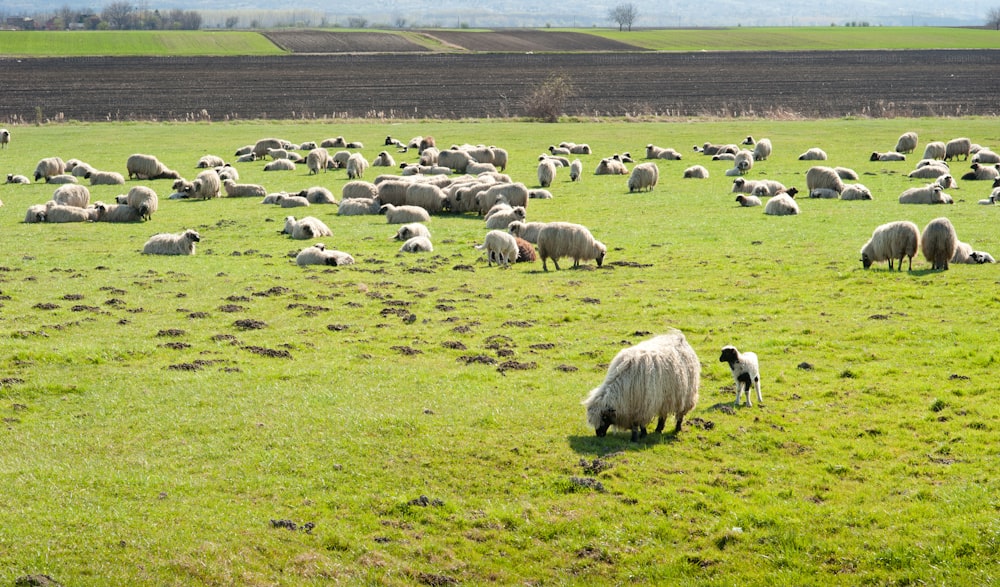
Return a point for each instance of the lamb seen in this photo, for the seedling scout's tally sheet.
(206, 185)
(655, 378)
(358, 189)
(49, 167)
(35, 214)
(427, 196)
(748, 201)
(305, 228)
(12, 178)
(955, 147)
(171, 244)
(781, 205)
(404, 214)
(525, 251)
(696, 172)
(243, 190)
(526, 230)
(358, 207)
(938, 243)
(813, 154)
(575, 170)
(105, 178)
(55, 212)
(287, 201)
(417, 244)
(644, 177)
(62, 178)
(72, 195)
(384, 159)
(563, 239)
(983, 173)
(935, 150)
(391, 142)
(280, 165)
(745, 370)
(318, 195)
(654, 152)
(907, 143)
(981, 257)
(408, 231)
(501, 220)
(824, 177)
(609, 166)
(210, 161)
(928, 194)
(356, 166)
(889, 156)
(117, 213)
(890, 241)
(317, 159)
(501, 244)
(4, 138)
(141, 166)
(546, 173)
(855, 191)
(144, 200)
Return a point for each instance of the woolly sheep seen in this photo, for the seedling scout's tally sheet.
(144, 200)
(49, 167)
(654, 152)
(61, 179)
(981, 257)
(743, 161)
(964, 254)
(430, 157)
(207, 161)
(982, 173)
(502, 220)
(514, 194)
(166, 243)
(769, 187)
(117, 213)
(540, 194)
(57, 213)
(761, 150)
(289, 201)
(305, 228)
(317, 195)
(855, 191)
(938, 243)
(575, 170)
(929, 171)
(72, 195)
(417, 244)
(13, 178)
(525, 230)
(393, 191)
(356, 166)
(35, 214)
(907, 143)
(743, 185)
(404, 214)
(244, 150)
(206, 185)
(4, 138)
(745, 370)
(261, 147)
(824, 193)
(935, 150)
(280, 165)
(243, 190)
(389, 141)
(581, 149)
(227, 171)
(427, 196)
(955, 147)
(563, 239)
(318, 254)
(500, 244)
(696, 172)
(546, 173)
(813, 154)
(454, 159)
(337, 142)
(558, 150)
(408, 231)
(889, 156)
(655, 378)
(644, 177)
(359, 189)
(525, 251)
(78, 168)
(824, 177)
(928, 194)
(141, 166)
(384, 159)
(781, 205)
(846, 173)
(748, 201)
(986, 156)
(946, 181)
(339, 160)
(358, 207)
(105, 178)
(610, 166)
(890, 241)
(317, 159)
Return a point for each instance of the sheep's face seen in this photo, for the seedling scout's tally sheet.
(192, 236)
(729, 355)
(866, 261)
(606, 419)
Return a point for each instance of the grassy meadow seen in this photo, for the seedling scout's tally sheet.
(233, 419)
(132, 43)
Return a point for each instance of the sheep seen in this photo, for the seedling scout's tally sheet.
(981, 257)
(206, 185)
(514, 194)
(166, 243)
(55, 212)
(855, 191)
(935, 150)
(393, 191)
(384, 159)
(907, 143)
(929, 171)
(117, 213)
(358, 189)
(78, 168)
(654, 152)
(358, 207)
(526, 230)
(17, 178)
(824, 177)
(317, 159)
(501, 244)
(227, 171)
(955, 147)
(61, 179)
(761, 150)
(4, 138)
(558, 150)
(609, 166)
(889, 156)
(982, 173)
(938, 243)
(564, 239)
(964, 254)
(846, 173)
(502, 220)
(654, 378)
(72, 195)
(337, 142)
(928, 194)
(144, 200)
(49, 167)
(105, 178)
(289, 201)
(425, 143)
(581, 149)
(318, 195)
(35, 214)
(207, 161)
(391, 142)
(546, 173)
(644, 176)
(769, 187)
(745, 370)
(408, 231)
(748, 201)
(540, 194)
(696, 172)
(427, 196)
(497, 208)
(243, 190)
(305, 228)
(141, 166)
(280, 165)
(986, 156)
(404, 214)
(575, 170)
(454, 159)
(824, 193)
(743, 185)
(417, 244)
(317, 254)
(781, 205)
(813, 154)
(356, 166)
(743, 161)
(890, 241)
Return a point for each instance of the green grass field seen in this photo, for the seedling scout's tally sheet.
(122, 43)
(160, 412)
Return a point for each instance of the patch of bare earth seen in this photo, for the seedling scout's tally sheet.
(341, 42)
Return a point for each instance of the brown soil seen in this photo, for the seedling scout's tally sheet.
(334, 42)
(526, 40)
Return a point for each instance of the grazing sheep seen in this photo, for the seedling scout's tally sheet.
(501, 244)
(425, 143)
(117, 213)
(4, 138)
(148, 167)
(454, 159)
(359, 189)
(280, 165)
(317, 159)
(105, 178)
(609, 166)
(358, 207)
(935, 150)
(206, 185)
(955, 147)
(501, 220)
(72, 195)
(288, 201)
(384, 159)
(393, 191)
(824, 177)
(318, 195)
(261, 147)
(644, 177)
(748, 201)
(930, 171)
(417, 244)
(907, 143)
(781, 205)
(894, 240)
(546, 173)
(171, 244)
(928, 194)
(813, 154)
(563, 239)
(144, 200)
(12, 178)
(49, 167)
(890, 156)
(61, 179)
(575, 170)
(404, 214)
(938, 243)
(408, 231)
(526, 230)
(58, 213)
(356, 166)
(305, 228)
(982, 173)
(35, 214)
(210, 161)
(696, 172)
(427, 196)
(745, 370)
(243, 190)
(761, 150)
(855, 191)
(655, 378)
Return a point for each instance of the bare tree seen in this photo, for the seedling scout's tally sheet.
(118, 15)
(624, 15)
(993, 17)
(546, 102)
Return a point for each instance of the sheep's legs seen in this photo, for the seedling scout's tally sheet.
(756, 384)
(659, 424)
(638, 432)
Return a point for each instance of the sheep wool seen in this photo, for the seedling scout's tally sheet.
(696, 172)
(305, 228)
(317, 160)
(655, 378)
(935, 150)
(781, 205)
(891, 241)
(72, 195)
(501, 246)
(404, 214)
(907, 143)
(142, 166)
(144, 200)
(575, 170)
(49, 167)
(644, 177)
(57, 213)
(955, 147)
(16, 178)
(417, 244)
(938, 243)
(358, 207)
(564, 239)
(171, 244)
(928, 194)
(408, 231)
(526, 230)
(748, 201)
(502, 220)
(745, 370)
(824, 177)
(105, 178)
(546, 173)
(813, 154)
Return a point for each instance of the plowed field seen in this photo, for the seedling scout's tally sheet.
(333, 42)
(810, 84)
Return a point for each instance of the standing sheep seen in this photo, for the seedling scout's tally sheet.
(745, 370)
(935, 150)
(171, 244)
(564, 239)
(144, 200)
(938, 243)
(546, 173)
(644, 177)
(890, 241)
(907, 143)
(824, 177)
(655, 378)
(317, 159)
(206, 185)
(501, 244)
(48, 167)
(141, 166)
(761, 150)
(4, 138)
(955, 147)
(575, 170)
(356, 166)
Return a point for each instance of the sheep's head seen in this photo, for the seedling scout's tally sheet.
(606, 419)
(729, 355)
(874, 156)
(192, 236)
(601, 252)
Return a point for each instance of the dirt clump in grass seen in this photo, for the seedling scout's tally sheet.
(577, 483)
(516, 366)
(453, 344)
(567, 368)
(231, 308)
(266, 352)
(171, 332)
(274, 291)
(177, 346)
(424, 501)
(250, 324)
(46, 306)
(480, 359)
(406, 350)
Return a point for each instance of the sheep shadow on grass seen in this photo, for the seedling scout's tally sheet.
(618, 440)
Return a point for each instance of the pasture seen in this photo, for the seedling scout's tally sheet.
(232, 418)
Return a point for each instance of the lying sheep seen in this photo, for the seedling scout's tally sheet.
(117, 213)
(289, 201)
(278, 153)
(317, 159)
(696, 172)
(982, 173)
(748, 201)
(359, 189)
(358, 207)
(280, 165)
(227, 171)
(144, 200)
(404, 214)
(654, 152)
(35, 214)
(210, 161)
(546, 173)
(243, 190)
(526, 230)
(935, 150)
(745, 370)
(525, 251)
(955, 147)
(72, 195)
(655, 378)
(305, 228)
(609, 166)
(986, 156)
(427, 196)
(929, 171)
(644, 177)
(501, 220)
(391, 142)
(558, 150)
(513, 194)
(408, 231)
(889, 156)
(894, 240)
(765, 188)
(855, 191)
(824, 177)
(500, 245)
(454, 159)
(78, 168)
(417, 244)
(48, 167)
(928, 194)
(16, 178)
(907, 143)
(384, 159)
(813, 154)
(824, 193)
(781, 205)
(846, 173)
(317, 195)
(105, 178)
(171, 244)
(337, 142)
(938, 243)
(563, 239)
(540, 194)
(61, 179)
(575, 170)
(58, 213)
(318, 254)
(142, 166)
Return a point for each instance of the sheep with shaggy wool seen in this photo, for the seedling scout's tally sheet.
(644, 177)
(305, 228)
(317, 195)
(855, 191)
(656, 378)
(946, 181)
(337, 142)
(105, 178)
(781, 205)
(846, 173)
(609, 166)
(290, 201)
(408, 231)
(58, 213)
(317, 159)
(526, 230)
(280, 165)
(384, 159)
(17, 178)
(654, 152)
(78, 168)
(393, 191)
(743, 161)
(117, 213)
(61, 179)
(210, 161)
(72, 195)
(358, 207)
(765, 188)
(928, 194)
(4, 138)
(427, 196)
(813, 154)
(986, 156)
(166, 243)
(454, 159)
(404, 214)
(514, 194)
(824, 194)
(983, 173)
(143, 166)
(417, 244)
(261, 147)
(888, 156)
(748, 201)
(525, 251)
(696, 172)
(824, 177)
(501, 220)
(890, 241)
(35, 214)
(359, 189)
(935, 150)
(938, 243)
(48, 167)
(205, 186)
(907, 143)
(546, 173)
(500, 245)
(356, 166)
(565, 239)
(575, 170)
(761, 149)
(318, 254)
(243, 190)
(143, 199)
(930, 171)
(745, 370)
(539, 194)
(955, 147)
(227, 171)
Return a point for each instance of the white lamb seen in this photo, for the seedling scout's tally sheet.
(746, 372)
(417, 244)
(500, 245)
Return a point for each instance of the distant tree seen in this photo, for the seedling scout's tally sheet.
(357, 22)
(993, 18)
(232, 21)
(118, 15)
(546, 102)
(624, 15)
(67, 14)
(399, 22)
